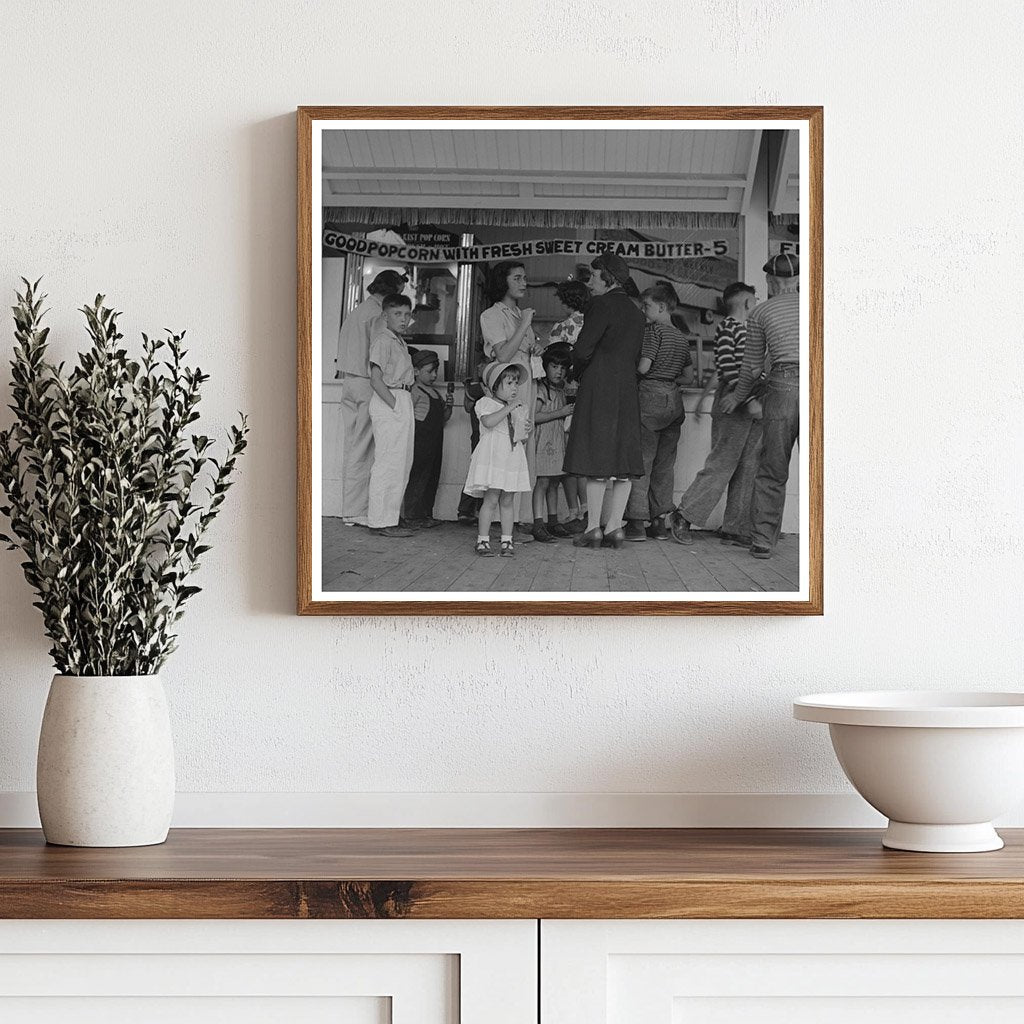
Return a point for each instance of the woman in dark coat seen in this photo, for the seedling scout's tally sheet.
(604, 440)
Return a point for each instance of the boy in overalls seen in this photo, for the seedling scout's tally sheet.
(430, 412)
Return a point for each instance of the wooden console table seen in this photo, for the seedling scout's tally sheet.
(496, 926)
(506, 874)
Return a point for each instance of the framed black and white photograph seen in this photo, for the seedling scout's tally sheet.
(559, 361)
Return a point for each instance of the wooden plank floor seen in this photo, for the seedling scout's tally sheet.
(443, 560)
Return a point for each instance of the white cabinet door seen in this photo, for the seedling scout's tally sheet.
(782, 972)
(258, 972)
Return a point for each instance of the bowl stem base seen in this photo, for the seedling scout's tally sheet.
(977, 838)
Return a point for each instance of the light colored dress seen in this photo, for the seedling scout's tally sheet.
(550, 435)
(496, 462)
(567, 330)
(497, 324)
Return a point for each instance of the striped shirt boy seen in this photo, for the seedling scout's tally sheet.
(729, 344)
(668, 351)
(772, 328)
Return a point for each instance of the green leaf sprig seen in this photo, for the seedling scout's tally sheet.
(109, 494)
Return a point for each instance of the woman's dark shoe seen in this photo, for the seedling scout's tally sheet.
(615, 539)
(759, 552)
(574, 527)
(542, 533)
(558, 530)
(590, 539)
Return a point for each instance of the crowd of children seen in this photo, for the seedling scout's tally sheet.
(522, 409)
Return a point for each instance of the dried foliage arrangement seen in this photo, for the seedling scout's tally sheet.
(108, 493)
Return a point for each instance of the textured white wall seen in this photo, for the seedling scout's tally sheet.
(147, 151)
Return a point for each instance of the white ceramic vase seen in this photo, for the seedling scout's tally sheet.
(105, 771)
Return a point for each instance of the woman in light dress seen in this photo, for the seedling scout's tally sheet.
(509, 337)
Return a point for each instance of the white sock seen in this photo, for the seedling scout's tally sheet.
(506, 537)
(483, 537)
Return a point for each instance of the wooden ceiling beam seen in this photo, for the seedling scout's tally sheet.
(538, 177)
(535, 202)
(748, 181)
(780, 170)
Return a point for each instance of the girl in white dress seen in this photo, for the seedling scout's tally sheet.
(498, 469)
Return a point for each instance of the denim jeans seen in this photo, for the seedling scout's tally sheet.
(781, 430)
(661, 420)
(730, 468)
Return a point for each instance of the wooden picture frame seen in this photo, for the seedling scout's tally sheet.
(806, 599)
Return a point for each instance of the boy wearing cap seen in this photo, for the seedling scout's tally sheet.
(391, 377)
(773, 338)
(430, 413)
(354, 338)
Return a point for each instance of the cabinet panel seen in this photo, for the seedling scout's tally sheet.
(304, 972)
(187, 1010)
(799, 972)
(847, 1010)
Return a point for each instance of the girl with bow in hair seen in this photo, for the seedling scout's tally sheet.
(497, 468)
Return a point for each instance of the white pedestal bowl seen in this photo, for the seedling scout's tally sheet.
(940, 766)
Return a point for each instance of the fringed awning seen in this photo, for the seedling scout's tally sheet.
(387, 216)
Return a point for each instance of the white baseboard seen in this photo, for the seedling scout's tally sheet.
(504, 810)
(495, 810)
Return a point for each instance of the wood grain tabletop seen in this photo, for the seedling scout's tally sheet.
(508, 873)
